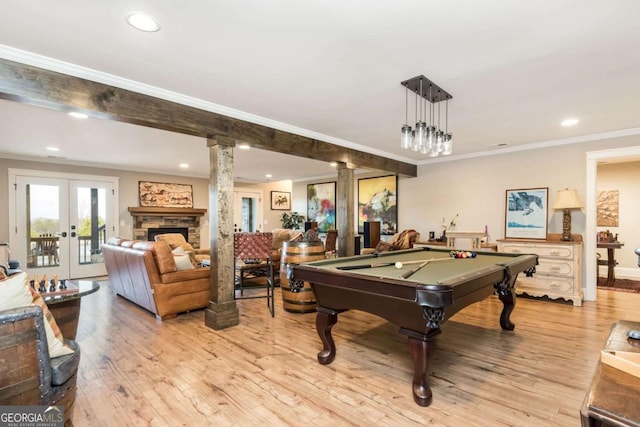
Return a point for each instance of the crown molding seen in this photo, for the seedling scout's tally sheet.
(538, 145)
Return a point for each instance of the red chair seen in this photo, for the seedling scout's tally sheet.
(252, 259)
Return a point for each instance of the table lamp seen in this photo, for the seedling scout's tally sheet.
(566, 200)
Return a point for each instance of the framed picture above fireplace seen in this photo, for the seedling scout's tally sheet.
(165, 195)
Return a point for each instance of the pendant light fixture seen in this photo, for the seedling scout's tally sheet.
(427, 138)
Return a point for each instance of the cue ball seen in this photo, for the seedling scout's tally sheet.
(398, 265)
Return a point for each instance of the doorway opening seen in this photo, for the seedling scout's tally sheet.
(593, 157)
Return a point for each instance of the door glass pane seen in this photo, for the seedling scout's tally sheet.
(43, 224)
(248, 214)
(91, 226)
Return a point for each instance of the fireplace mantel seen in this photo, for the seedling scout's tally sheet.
(138, 213)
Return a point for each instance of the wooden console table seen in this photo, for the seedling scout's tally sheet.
(613, 397)
(492, 247)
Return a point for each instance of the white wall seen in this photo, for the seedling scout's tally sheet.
(271, 218)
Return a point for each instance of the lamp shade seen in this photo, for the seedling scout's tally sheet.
(567, 199)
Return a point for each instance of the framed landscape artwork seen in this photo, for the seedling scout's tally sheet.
(280, 201)
(377, 201)
(526, 213)
(160, 194)
(321, 205)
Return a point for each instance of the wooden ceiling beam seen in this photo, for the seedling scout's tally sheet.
(50, 89)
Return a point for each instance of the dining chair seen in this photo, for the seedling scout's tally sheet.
(253, 259)
(330, 243)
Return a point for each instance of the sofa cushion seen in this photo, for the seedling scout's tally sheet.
(15, 292)
(192, 257)
(183, 262)
(64, 367)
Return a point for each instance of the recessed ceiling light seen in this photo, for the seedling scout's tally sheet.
(268, 175)
(333, 164)
(143, 22)
(184, 165)
(77, 115)
(244, 146)
(52, 149)
(569, 122)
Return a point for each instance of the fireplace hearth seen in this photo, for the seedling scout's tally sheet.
(167, 220)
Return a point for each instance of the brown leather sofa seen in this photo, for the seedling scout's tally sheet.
(145, 273)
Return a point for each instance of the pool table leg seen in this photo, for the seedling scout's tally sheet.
(419, 351)
(508, 298)
(325, 319)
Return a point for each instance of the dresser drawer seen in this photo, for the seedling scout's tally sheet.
(555, 267)
(543, 284)
(555, 251)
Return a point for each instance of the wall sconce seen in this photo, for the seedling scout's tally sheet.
(566, 200)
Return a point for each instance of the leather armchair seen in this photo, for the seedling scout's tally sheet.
(27, 375)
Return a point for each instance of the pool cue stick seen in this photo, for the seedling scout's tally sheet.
(359, 266)
(423, 260)
(410, 272)
(386, 264)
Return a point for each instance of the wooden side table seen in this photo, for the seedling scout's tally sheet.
(613, 397)
(611, 259)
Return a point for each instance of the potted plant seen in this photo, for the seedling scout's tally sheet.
(292, 220)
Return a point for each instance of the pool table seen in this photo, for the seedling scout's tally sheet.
(430, 294)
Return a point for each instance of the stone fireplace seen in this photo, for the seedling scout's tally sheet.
(145, 218)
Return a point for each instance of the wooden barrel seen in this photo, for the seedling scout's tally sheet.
(298, 297)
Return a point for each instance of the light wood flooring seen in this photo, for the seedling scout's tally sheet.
(138, 371)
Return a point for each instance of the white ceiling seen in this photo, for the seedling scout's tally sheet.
(330, 70)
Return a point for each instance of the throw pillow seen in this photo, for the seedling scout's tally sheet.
(181, 251)
(183, 262)
(55, 340)
(17, 293)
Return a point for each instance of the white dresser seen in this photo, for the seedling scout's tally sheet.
(559, 274)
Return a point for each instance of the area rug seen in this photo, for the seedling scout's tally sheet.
(624, 285)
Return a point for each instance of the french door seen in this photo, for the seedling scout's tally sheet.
(247, 211)
(59, 224)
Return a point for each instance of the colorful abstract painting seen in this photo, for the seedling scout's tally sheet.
(321, 205)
